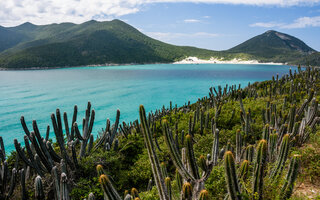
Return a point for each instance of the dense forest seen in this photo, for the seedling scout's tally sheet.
(257, 142)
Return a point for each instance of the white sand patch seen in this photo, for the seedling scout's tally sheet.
(212, 60)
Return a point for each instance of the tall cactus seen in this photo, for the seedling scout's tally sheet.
(204, 195)
(259, 167)
(291, 177)
(39, 194)
(282, 157)
(6, 187)
(108, 188)
(154, 160)
(186, 191)
(231, 177)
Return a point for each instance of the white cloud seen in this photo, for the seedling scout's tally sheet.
(166, 36)
(301, 22)
(13, 12)
(191, 21)
(266, 24)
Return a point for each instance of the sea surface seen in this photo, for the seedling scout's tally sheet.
(35, 94)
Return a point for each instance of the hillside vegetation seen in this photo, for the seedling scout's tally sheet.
(251, 143)
(115, 42)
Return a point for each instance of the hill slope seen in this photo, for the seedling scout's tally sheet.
(274, 46)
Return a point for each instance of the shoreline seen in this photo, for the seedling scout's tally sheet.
(188, 60)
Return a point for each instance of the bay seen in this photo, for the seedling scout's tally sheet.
(36, 94)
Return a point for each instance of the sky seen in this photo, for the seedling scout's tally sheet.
(210, 24)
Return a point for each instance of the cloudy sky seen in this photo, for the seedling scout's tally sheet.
(211, 24)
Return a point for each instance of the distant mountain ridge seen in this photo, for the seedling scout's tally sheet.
(92, 42)
(274, 45)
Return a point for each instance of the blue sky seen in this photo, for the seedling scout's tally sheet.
(211, 24)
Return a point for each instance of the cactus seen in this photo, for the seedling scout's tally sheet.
(187, 191)
(291, 177)
(24, 193)
(249, 153)
(204, 195)
(179, 180)
(244, 170)
(282, 157)
(180, 163)
(191, 158)
(100, 170)
(215, 145)
(260, 164)
(6, 187)
(134, 193)
(64, 192)
(150, 184)
(91, 196)
(109, 134)
(231, 177)
(238, 146)
(39, 194)
(272, 147)
(168, 185)
(155, 164)
(108, 188)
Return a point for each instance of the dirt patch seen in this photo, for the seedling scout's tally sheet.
(307, 190)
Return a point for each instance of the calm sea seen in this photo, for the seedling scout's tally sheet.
(36, 94)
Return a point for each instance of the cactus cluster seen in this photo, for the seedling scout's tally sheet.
(249, 163)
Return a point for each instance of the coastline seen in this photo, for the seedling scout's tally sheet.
(188, 60)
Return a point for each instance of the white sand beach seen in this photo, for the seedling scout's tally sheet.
(195, 60)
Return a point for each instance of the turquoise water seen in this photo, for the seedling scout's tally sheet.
(36, 94)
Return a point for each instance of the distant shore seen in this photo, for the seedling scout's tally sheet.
(189, 60)
(195, 60)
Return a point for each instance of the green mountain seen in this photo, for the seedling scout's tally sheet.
(115, 42)
(274, 46)
(92, 42)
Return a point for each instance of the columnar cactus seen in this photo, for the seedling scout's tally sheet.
(168, 185)
(39, 194)
(282, 157)
(204, 195)
(259, 167)
(244, 170)
(6, 187)
(186, 191)
(64, 192)
(291, 177)
(108, 188)
(24, 193)
(154, 160)
(238, 146)
(231, 177)
(91, 196)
